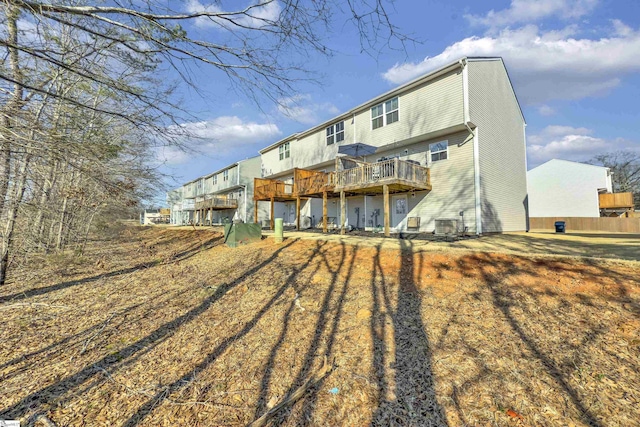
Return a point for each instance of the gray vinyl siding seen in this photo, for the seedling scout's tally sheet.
(435, 105)
(452, 181)
(431, 107)
(249, 169)
(494, 109)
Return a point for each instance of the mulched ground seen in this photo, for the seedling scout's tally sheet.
(162, 327)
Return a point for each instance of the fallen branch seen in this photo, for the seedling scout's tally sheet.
(326, 368)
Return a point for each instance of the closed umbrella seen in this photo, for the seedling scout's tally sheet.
(357, 150)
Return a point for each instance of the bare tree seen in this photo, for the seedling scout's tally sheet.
(625, 166)
(82, 101)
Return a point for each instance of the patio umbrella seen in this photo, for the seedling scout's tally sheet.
(356, 150)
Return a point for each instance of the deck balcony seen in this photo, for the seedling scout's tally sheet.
(310, 183)
(217, 203)
(616, 200)
(272, 189)
(398, 175)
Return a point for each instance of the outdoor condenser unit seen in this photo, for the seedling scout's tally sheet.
(446, 226)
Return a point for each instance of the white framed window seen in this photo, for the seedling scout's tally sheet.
(391, 111)
(284, 151)
(377, 116)
(199, 187)
(335, 133)
(439, 151)
(215, 179)
(225, 175)
(385, 113)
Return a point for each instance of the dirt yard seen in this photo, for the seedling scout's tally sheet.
(162, 327)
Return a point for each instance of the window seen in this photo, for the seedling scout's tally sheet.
(377, 117)
(439, 150)
(385, 113)
(199, 187)
(391, 110)
(335, 133)
(285, 153)
(215, 179)
(225, 175)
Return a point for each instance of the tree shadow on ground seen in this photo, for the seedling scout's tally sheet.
(519, 305)
(180, 256)
(413, 400)
(165, 394)
(64, 389)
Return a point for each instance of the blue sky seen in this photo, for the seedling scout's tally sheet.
(575, 65)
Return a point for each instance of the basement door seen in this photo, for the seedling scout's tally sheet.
(398, 209)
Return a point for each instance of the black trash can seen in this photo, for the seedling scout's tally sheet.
(560, 226)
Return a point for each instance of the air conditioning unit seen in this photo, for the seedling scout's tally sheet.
(446, 226)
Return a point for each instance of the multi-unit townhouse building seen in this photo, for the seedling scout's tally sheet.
(221, 196)
(449, 145)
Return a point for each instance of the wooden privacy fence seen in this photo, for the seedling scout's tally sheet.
(613, 225)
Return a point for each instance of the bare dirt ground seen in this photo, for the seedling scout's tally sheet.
(164, 327)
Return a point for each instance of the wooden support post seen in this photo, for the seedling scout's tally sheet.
(255, 211)
(298, 213)
(324, 211)
(271, 222)
(343, 211)
(385, 196)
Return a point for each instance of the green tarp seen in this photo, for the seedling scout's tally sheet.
(240, 234)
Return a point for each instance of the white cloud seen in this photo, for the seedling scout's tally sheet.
(526, 11)
(569, 143)
(302, 109)
(255, 17)
(218, 137)
(545, 65)
(545, 110)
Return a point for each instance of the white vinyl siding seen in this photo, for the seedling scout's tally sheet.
(562, 188)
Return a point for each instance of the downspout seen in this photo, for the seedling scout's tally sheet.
(476, 147)
(245, 202)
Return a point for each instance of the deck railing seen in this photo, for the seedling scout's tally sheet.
(217, 202)
(315, 184)
(272, 188)
(367, 174)
(616, 200)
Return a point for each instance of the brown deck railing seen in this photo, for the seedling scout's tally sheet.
(267, 188)
(616, 200)
(384, 172)
(217, 202)
(313, 183)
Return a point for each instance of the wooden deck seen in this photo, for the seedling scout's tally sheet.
(268, 189)
(369, 178)
(217, 203)
(616, 200)
(310, 183)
